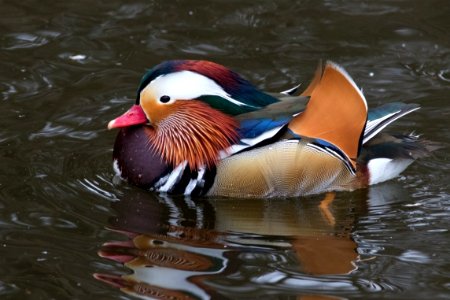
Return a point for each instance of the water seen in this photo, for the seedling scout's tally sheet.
(68, 68)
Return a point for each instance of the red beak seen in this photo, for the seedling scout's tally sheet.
(134, 116)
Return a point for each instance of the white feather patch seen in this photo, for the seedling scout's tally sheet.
(187, 85)
(382, 169)
(116, 168)
(193, 183)
(173, 178)
(291, 91)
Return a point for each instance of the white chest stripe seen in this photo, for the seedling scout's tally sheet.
(195, 182)
(173, 177)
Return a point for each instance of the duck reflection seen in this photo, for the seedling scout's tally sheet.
(181, 249)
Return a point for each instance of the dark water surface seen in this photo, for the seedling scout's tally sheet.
(68, 68)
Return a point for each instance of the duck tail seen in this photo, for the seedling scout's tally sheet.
(386, 156)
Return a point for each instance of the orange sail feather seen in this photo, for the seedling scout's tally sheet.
(336, 111)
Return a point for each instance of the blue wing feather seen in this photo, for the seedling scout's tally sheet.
(275, 115)
(252, 128)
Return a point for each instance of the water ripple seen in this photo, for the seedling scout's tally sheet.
(129, 11)
(94, 186)
(45, 220)
(69, 67)
(50, 130)
(444, 75)
(7, 289)
(8, 90)
(25, 40)
(361, 9)
(414, 256)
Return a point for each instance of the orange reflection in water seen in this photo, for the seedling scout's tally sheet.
(181, 249)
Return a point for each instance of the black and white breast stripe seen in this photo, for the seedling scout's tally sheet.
(182, 180)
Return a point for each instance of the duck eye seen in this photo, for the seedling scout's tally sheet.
(164, 99)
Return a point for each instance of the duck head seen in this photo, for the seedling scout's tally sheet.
(191, 106)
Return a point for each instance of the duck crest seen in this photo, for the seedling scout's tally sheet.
(161, 69)
(195, 133)
(236, 86)
(231, 82)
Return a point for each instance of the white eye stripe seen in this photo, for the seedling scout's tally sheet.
(186, 85)
(183, 85)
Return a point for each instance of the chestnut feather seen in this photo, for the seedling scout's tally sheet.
(194, 132)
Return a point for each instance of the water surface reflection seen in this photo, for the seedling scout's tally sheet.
(221, 248)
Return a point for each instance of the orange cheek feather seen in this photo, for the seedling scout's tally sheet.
(154, 110)
(192, 131)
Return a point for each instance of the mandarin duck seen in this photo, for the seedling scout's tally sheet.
(198, 128)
